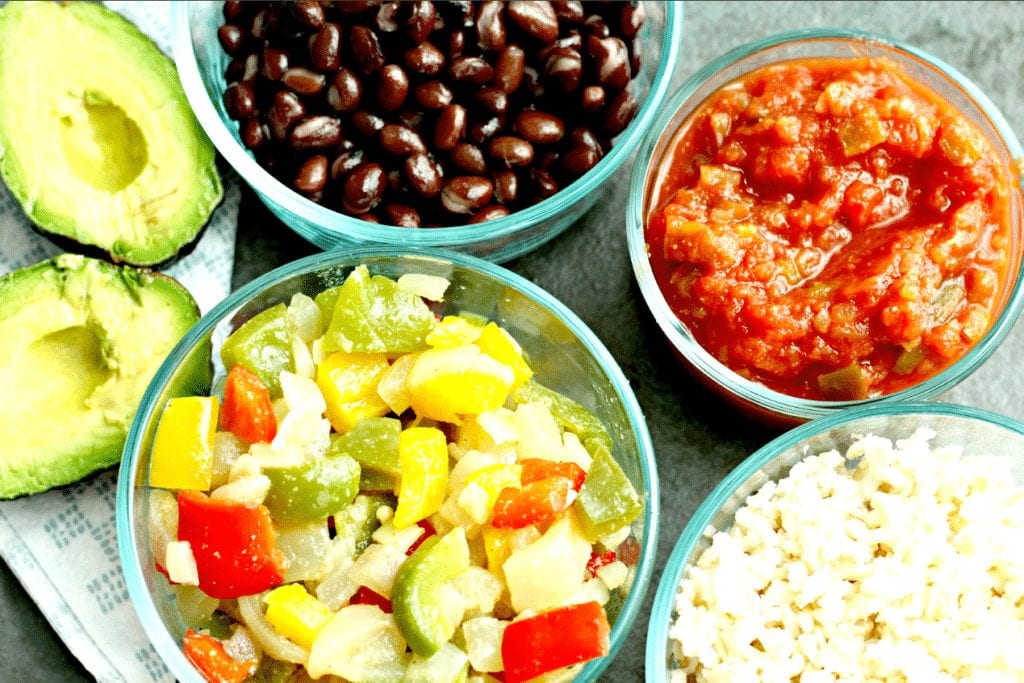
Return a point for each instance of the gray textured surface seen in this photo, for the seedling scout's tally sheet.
(696, 440)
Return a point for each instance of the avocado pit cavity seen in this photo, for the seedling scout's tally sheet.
(102, 144)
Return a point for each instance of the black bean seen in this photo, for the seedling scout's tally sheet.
(367, 123)
(312, 175)
(490, 26)
(363, 188)
(465, 194)
(582, 137)
(506, 187)
(258, 26)
(508, 69)
(421, 21)
(536, 17)
(490, 212)
(410, 118)
(612, 60)
(240, 100)
(392, 88)
(402, 215)
(425, 58)
(285, 110)
(564, 66)
(274, 63)
(354, 6)
(579, 160)
(456, 43)
(366, 49)
(233, 9)
(368, 218)
(304, 81)
(493, 99)
(432, 94)
(573, 41)
(570, 11)
(470, 70)
(308, 12)
(621, 111)
(235, 69)
(251, 68)
(253, 132)
(596, 26)
(538, 126)
(424, 175)
(401, 141)
(315, 132)
(231, 38)
(325, 48)
(592, 98)
(387, 17)
(346, 91)
(345, 162)
(631, 18)
(510, 151)
(450, 126)
(469, 158)
(532, 85)
(543, 183)
(481, 131)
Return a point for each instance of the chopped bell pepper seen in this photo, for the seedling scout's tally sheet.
(536, 469)
(373, 443)
(296, 614)
(366, 596)
(461, 380)
(453, 331)
(375, 315)
(349, 385)
(423, 453)
(233, 543)
(497, 343)
(554, 639)
(492, 480)
(208, 656)
(598, 560)
(247, 411)
(607, 500)
(313, 489)
(182, 456)
(536, 503)
(263, 344)
(570, 415)
(416, 592)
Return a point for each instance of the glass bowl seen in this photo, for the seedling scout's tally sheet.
(752, 398)
(201, 62)
(978, 431)
(566, 356)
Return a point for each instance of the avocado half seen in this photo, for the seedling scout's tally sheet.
(97, 140)
(80, 340)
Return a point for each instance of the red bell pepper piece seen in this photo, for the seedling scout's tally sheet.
(599, 560)
(554, 639)
(536, 503)
(428, 531)
(233, 543)
(365, 596)
(535, 469)
(247, 411)
(208, 656)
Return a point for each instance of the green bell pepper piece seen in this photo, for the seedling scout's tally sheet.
(373, 443)
(416, 594)
(373, 315)
(607, 500)
(262, 344)
(359, 520)
(313, 490)
(569, 414)
(326, 301)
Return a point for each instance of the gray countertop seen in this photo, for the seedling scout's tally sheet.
(697, 440)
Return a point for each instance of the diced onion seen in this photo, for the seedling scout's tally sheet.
(430, 287)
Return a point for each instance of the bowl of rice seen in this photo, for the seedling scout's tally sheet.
(880, 543)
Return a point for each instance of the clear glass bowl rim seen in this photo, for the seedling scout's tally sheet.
(664, 599)
(167, 648)
(347, 227)
(706, 364)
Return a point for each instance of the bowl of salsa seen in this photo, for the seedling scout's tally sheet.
(828, 217)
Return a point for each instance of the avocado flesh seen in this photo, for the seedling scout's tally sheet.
(97, 140)
(80, 340)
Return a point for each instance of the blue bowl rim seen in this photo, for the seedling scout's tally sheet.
(343, 226)
(664, 599)
(125, 502)
(710, 367)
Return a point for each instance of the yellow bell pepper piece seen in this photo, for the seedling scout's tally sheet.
(460, 380)
(296, 614)
(492, 480)
(453, 331)
(497, 343)
(182, 455)
(499, 544)
(348, 382)
(423, 455)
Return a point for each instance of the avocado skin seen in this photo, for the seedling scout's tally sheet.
(158, 213)
(85, 329)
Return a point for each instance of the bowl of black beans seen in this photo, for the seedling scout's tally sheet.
(484, 127)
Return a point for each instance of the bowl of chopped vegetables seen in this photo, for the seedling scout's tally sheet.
(411, 465)
(879, 543)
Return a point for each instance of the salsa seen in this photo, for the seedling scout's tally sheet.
(380, 493)
(832, 229)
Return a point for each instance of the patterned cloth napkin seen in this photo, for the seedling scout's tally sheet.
(85, 599)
